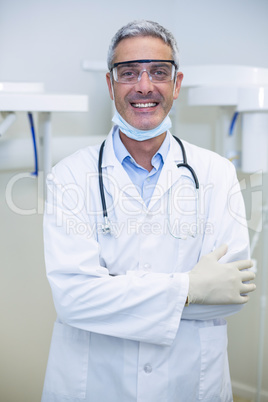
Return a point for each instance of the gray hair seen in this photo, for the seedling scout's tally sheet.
(143, 28)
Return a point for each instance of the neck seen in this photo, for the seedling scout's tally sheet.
(143, 151)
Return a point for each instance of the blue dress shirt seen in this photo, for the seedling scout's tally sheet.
(144, 181)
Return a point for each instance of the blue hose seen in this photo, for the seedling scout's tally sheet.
(231, 129)
(35, 173)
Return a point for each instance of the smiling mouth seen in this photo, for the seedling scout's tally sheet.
(144, 105)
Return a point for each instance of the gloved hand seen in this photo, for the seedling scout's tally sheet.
(211, 282)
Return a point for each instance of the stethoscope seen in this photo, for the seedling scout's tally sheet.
(106, 226)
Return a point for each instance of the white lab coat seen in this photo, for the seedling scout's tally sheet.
(129, 337)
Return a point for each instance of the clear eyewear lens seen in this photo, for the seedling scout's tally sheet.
(132, 73)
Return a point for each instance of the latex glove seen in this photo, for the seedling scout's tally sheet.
(211, 282)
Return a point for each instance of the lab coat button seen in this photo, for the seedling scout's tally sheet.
(147, 368)
(147, 267)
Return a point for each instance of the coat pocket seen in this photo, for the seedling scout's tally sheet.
(67, 366)
(214, 373)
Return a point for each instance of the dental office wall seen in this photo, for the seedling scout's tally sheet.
(46, 41)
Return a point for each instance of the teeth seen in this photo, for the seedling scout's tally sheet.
(144, 104)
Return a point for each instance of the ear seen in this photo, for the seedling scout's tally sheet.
(109, 83)
(177, 85)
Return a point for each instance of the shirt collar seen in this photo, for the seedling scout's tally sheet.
(121, 152)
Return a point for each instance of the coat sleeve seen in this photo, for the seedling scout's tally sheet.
(144, 307)
(227, 213)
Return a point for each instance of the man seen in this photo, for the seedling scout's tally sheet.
(139, 292)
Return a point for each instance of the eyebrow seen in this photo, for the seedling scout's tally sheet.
(128, 65)
(143, 61)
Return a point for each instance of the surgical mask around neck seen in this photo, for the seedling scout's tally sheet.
(140, 135)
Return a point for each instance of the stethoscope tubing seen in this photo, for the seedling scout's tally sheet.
(102, 195)
(185, 163)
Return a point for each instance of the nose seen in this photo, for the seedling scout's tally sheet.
(144, 85)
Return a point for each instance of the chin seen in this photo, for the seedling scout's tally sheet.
(145, 126)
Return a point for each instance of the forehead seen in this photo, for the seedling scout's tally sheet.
(139, 48)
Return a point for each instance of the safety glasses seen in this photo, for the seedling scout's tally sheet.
(130, 72)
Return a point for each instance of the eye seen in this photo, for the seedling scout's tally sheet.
(160, 73)
(127, 73)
